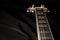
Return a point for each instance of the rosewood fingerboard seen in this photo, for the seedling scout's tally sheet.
(43, 28)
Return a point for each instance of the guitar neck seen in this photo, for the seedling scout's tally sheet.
(43, 28)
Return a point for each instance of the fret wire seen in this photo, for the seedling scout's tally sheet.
(41, 25)
(41, 17)
(44, 32)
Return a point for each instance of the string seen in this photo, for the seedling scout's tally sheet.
(44, 30)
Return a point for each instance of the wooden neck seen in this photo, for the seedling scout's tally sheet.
(43, 28)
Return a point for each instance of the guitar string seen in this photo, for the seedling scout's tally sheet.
(44, 30)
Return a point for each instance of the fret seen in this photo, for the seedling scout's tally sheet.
(47, 34)
(43, 29)
(40, 13)
(43, 37)
(42, 25)
(49, 39)
(46, 38)
(42, 21)
(41, 17)
(44, 32)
